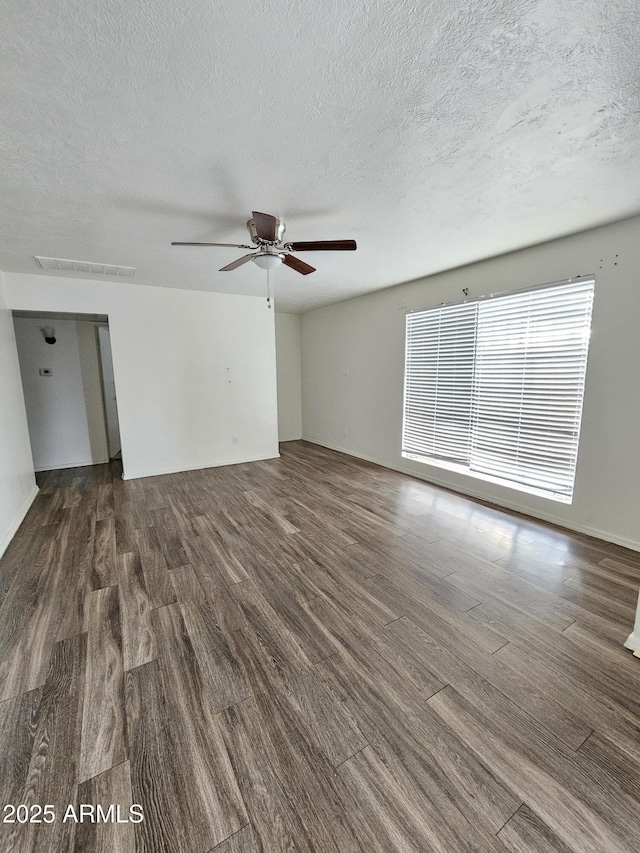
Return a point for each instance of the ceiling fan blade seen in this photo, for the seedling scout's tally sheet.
(266, 225)
(237, 263)
(323, 246)
(229, 245)
(297, 265)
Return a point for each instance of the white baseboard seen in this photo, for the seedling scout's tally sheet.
(71, 465)
(632, 544)
(216, 464)
(17, 521)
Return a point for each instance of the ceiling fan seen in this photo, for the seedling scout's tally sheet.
(267, 234)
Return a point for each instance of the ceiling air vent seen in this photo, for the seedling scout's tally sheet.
(66, 265)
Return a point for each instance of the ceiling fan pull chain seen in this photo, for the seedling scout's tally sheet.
(268, 289)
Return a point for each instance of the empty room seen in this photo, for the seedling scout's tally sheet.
(319, 406)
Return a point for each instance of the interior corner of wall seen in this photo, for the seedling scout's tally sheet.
(19, 518)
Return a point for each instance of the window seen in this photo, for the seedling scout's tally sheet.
(494, 386)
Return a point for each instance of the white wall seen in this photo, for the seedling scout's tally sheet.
(365, 337)
(109, 394)
(65, 410)
(17, 482)
(193, 369)
(289, 378)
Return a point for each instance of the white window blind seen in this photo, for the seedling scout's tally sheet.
(494, 387)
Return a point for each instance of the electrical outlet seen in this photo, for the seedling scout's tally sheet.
(345, 431)
(235, 439)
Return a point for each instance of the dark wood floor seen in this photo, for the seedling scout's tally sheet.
(313, 654)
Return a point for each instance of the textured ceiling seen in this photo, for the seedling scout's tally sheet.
(434, 132)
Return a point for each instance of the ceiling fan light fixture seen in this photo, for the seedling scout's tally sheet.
(267, 262)
(267, 236)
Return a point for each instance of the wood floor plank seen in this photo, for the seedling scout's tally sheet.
(295, 577)
(407, 816)
(368, 679)
(81, 524)
(189, 643)
(138, 642)
(620, 582)
(386, 552)
(476, 529)
(105, 505)
(254, 539)
(620, 765)
(109, 790)
(154, 764)
(180, 512)
(18, 558)
(173, 549)
(305, 499)
(186, 585)
(274, 755)
(412, 600)
(267, 509)
(317, 523)
(373, 654)
(103, 563)
(527, 833)
(609, 654)
(53, 767)
(224, 609)
(581, 814)
(544, 567)
(627, 568)
(579, 591)
(18, 719)
(495, 582)
(468, 672)
(196, 689)
(103, 743)
(31, 620)
(274, 664)
(154, 567)
(256, 764)
(351, 595)
(243, 841)
(125, 531)
(599, 710)
(325, 552)
(455, 597)
(313, 641)
(180, 770)
(214, 558)
(73, 495)
(562, 653)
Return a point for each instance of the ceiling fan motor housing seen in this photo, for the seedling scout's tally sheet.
(280, 229)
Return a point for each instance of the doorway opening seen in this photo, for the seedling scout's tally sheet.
(69, 388)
